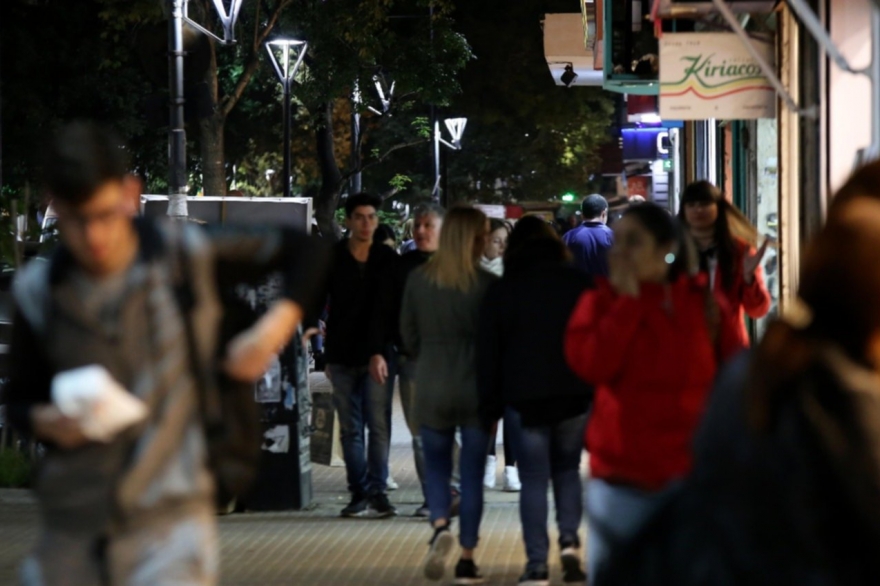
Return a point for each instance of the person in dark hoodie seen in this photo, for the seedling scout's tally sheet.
(351, 292)
(522, 368)
(390, 358)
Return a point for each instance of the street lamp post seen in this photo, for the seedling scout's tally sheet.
(286, 69)
(356, 101)
(456, 128)
(177, 11)
(177, 187)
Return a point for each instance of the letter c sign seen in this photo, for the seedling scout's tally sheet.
(663, 143)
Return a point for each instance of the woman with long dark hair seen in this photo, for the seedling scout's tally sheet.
(726, 242)
(439, 321)
(522, 372)
(650, 339)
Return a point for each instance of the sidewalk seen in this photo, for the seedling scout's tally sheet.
(316, 546)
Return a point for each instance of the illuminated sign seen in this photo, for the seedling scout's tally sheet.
(645, 144)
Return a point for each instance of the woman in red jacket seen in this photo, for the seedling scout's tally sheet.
(649, 339)
(725, 240)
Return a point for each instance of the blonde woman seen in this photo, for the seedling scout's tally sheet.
(439, 325)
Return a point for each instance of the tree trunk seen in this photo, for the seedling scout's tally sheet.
(213, 154)
(331, 177)
(211, 132)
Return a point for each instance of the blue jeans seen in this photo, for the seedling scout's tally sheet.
(438, 447)
(362, 406)
(545, 453)
(616, 513)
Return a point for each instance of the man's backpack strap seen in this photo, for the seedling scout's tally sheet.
(209, 402)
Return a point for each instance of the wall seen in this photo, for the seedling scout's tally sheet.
(849, 111)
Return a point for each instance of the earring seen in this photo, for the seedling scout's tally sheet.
(670, 258)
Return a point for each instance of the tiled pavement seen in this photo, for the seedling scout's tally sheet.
(316, 546)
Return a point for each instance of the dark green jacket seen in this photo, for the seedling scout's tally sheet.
(439, 328)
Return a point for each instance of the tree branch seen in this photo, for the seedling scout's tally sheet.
(253, 62)
(383, 158)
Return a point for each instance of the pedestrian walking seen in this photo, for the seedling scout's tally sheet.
(493, 262)
(439, 323)
(493, 257)
(391, 359)
(384, 234)
(590, 242)
(358, 267)
(784, 484)
(522, 368)
(136, 506)
(650, 339)
(726, 242)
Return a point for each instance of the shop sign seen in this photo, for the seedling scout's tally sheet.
(645, 144)
(712, 75)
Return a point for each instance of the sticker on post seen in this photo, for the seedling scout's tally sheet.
(277, 439)
(269, 385)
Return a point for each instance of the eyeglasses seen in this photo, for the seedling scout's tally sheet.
(101, 218)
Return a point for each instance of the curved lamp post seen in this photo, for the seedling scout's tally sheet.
(456, 127)
(286, 55)
(357, 101)
(177, 183)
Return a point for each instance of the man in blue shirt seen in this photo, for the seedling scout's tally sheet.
(589, 242)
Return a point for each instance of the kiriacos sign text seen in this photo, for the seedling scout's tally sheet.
(712, 75)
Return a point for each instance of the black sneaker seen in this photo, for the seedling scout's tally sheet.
(572, 570)
(423, 512)
(539, 576)
(380, 507)
(441, 545)
(466, 573)
(358, 507)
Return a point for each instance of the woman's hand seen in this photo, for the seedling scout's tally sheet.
(751, 262)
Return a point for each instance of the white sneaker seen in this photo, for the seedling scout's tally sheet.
(390, 484)
(511, 479)
(491, 471)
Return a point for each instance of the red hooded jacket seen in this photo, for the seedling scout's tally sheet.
(652, 361)
(743, 298)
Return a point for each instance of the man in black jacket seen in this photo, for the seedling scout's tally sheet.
(389, 357)
(352, 291)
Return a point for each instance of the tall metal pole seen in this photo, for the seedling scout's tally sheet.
(357, 177)
(286, 82)
(874, 74)
(436, 192)
(177, 188)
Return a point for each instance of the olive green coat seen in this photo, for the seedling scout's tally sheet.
(439, 327)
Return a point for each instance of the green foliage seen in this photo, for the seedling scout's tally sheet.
(259, 175)
(422, 126)
(400, 182)
(526, 138)
(15, 469)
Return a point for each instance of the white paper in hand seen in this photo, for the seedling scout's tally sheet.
(101, 405)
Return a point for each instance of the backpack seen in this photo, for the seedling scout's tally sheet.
(229, 413)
